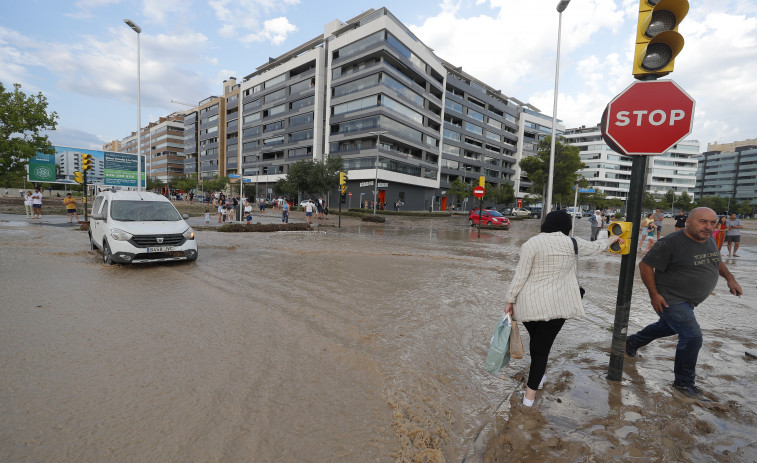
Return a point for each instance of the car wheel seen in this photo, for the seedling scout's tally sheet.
(107, 255)
(92, 245)
(470, 222)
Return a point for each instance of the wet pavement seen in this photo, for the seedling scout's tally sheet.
(359, 344)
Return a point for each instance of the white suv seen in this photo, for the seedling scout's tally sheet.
(133, 227)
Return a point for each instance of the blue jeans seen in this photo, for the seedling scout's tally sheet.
(678, 319)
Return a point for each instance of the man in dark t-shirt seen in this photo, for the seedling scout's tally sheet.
(680, 271)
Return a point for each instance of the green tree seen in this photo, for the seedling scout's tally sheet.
(742, 207)
(668, 201)
(683, 202)
(716, 203)
(310, 177)
(500, 194)
(566, 164)
(22, 120)
(216, 184)
(459, 189)
(649, 202)
(153, 183)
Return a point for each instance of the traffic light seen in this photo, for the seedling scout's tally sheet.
(78, 177)
(657, 39)
(86, 162)
(623, 230)
(343, 189)
(342, 178)
(482, 181)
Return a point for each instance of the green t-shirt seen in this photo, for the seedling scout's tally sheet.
(685, 269)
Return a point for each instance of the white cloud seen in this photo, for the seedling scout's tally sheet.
(513, 49)
(85, 7)
(241, 19)
(164, 10)
(274, 30)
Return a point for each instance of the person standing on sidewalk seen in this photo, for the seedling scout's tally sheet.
(70, 204)
(284, 212)
(658, 221)
(733, 234)
(28, 204)
(680, 272)
(596, 224)
(37, 204)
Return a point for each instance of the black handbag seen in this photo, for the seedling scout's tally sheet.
(575, 249)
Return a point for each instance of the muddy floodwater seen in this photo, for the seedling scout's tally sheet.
(364, 344)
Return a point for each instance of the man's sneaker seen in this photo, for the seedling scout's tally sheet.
(692, 392)
(630, 351)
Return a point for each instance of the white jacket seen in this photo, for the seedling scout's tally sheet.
(545, 285)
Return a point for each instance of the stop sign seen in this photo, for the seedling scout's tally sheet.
(648, 118)
(479, 192)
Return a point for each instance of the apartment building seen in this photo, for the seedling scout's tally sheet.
(69, 161)
(161, 144)
(730, 174)
(405, 122)
(610, 172)
(533, 127)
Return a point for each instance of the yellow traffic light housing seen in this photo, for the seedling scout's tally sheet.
(482, 181)
(342, 178)
(343, 189)
(657, 39)
(78, 177)
(86, 162)
(623, 230)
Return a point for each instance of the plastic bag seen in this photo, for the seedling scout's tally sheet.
(516, 344)
(499, 347)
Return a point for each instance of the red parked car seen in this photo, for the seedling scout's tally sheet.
(489, 218)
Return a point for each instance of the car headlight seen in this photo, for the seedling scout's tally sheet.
(189, 234)
(120, 235)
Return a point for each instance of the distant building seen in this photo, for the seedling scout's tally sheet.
(162, 145)
(730, 147)
(730, 175)
(68, 161)
(370, 91)
(533, 127)
(610, 172)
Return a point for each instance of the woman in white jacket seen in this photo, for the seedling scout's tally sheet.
(544, 291)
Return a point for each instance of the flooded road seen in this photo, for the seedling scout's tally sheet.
(361, 344)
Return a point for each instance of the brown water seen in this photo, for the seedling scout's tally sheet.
(365, 344)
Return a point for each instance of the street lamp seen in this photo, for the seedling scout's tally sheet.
(138, 30)
(548, 203)
(375, 183)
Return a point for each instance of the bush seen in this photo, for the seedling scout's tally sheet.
(259, 227)
(374, 218)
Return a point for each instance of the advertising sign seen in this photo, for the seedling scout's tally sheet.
(109, 168)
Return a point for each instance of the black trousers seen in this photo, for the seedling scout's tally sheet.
(542, 334)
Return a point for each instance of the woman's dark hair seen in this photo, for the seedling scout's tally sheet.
(557, 221)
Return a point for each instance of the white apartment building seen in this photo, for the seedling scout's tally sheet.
(69, 161)
(610, 172)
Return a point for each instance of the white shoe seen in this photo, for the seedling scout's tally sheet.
(527, 402)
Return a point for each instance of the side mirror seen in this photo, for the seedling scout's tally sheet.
(185, 216)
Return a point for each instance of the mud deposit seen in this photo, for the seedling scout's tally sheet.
(360, 344)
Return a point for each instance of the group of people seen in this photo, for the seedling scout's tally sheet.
(680, 270)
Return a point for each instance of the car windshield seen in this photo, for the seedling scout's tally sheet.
(495, 214)
(143, 211)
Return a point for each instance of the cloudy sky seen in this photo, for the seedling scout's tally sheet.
(82, 56)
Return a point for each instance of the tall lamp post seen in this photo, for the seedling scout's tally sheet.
(548, 203)
(375, 183)
(138, 30)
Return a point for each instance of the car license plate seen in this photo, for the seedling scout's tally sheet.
(160, 249)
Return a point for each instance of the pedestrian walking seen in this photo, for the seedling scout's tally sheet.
(261, 205)
(658, 222)
(680, 272)
(70, 204)
(6, 192)
(544, 291)
(643, 233)
(207, 216)
(220, 213)
(28, 204)
(720, 229)
(285, 212)
(733, 234)
(37, 203)
(596, 224)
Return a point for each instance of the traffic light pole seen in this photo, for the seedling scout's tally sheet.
(627, 268)
(86, 195)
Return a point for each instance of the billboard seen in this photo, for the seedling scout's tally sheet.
(110, 168)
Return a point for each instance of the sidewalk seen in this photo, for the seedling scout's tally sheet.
(61, 220)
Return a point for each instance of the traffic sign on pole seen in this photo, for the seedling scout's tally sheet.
(648, 118)
(479, 192)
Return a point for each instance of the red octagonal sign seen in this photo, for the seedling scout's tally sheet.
(648, 118)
